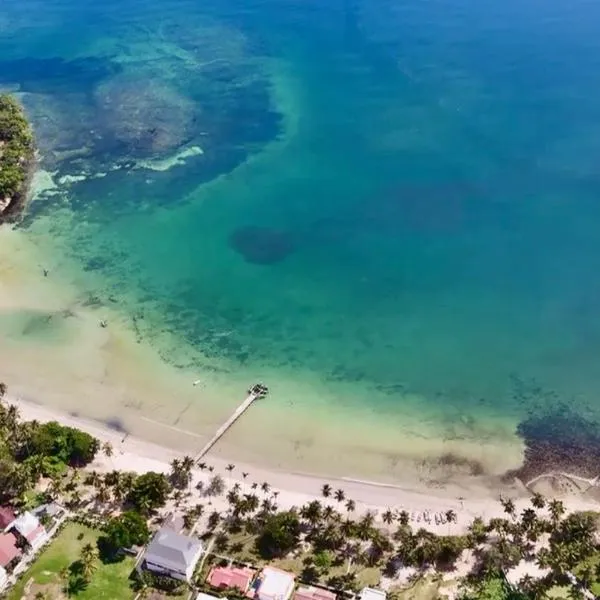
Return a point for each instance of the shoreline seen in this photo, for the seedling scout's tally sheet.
(294, 488)
(107, 379)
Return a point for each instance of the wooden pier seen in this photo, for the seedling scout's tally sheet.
(256, 392)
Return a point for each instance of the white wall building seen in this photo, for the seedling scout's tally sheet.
(275, 584)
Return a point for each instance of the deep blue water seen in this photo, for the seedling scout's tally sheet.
(403, 195)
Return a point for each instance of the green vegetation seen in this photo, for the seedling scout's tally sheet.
(61, 444)
(280, 535)
(124, 531)
(70, 564)
(16, 153)
(150, 491)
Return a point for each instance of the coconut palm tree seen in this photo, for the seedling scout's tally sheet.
(230, 467)
(537, 500)
(403, 518)
(450, 516)
(509, 506)
(557, 510)
(88, 561)
(65, 575)
(107, 449)
(202, 466)
(350, 505)
(254, 485)
(189, 518)
(312, 512)
(187, 463)
(388, 516)
(3, 389)
(340, 495)
(326, 490)
(265, 487)
(245, 475)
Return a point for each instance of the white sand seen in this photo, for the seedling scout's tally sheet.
(131, 454)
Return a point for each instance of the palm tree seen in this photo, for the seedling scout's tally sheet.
(450, 516)
(388, 516)
(107, 448)
(312, 512)
(3, 389)
(202, 466)
(189, 518)
(88, 568)
(403, 518)
(245, 475)
(350, 505)
(265, 487)
(65, 575)
(254, 485)
(326, 490)
(230, 467)
(537, 500)
(557, 510)
(509, 506)
(340, 495)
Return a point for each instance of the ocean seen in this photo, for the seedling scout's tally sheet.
(388, 211)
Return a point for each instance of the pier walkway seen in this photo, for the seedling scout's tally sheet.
(256, 392)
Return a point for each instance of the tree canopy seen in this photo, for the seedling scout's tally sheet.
(124, 531)
(280, 535)
(16, 148)
(149, 492)
(66, 444)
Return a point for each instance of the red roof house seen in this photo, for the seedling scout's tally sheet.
(7, 516)
(8, 549)
(313, 593)
(231, 577)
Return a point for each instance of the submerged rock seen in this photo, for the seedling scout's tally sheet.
(261, 245)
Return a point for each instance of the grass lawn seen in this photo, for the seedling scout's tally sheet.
(110, 581)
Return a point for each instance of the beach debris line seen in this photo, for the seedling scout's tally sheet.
(256, 392)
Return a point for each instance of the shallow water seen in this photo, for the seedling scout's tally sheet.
(393, 219)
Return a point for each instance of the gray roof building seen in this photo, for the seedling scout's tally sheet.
(173, 554)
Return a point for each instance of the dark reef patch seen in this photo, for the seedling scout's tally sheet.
(261, 245)
(559, 440)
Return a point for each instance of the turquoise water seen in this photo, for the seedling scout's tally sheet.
(402, 196)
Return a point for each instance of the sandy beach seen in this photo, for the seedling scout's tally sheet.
(295, 489)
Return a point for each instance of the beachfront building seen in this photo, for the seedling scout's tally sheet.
(231, 577)
(313, 593)
(369, 593)
(28, 527)
(275, 584)
(10, 553)
(172, 554)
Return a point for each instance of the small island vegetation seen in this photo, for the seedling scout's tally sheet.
(17, 153)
